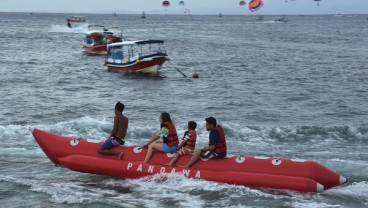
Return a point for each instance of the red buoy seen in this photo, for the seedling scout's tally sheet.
(195, 75)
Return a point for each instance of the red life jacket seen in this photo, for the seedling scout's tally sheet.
(190, 144)
(172, 139)
(220, 147)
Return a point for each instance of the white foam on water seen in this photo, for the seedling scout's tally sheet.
(20, 152)
(357, 191)
(167, 186)
(353, 195)
(272, 22)
(84, 127)
(313, 204)
(66, 191)
(77, 188)
(13, 133)
(76, 28)
(192, 190)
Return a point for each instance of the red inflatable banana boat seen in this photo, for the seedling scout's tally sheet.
(276, 173)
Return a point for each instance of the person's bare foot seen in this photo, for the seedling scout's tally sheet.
(120, 156)
(182, 166)
(168, 164)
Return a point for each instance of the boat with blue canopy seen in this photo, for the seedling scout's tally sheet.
(144, 56)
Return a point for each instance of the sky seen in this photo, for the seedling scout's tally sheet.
(194, 6)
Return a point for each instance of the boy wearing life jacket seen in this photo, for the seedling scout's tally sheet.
(117, 136)
(217, 143)
(187, 144)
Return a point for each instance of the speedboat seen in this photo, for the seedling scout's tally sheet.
(144, 56)
(281, 19)
(75, 19)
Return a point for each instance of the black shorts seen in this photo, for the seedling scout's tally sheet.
(212, 154)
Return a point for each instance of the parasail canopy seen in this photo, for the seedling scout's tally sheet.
(165, 3)
(255, 5)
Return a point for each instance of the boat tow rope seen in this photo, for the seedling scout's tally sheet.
(175, 66)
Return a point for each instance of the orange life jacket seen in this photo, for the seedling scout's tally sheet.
(220, 147)
(172, 139)
(190, 144)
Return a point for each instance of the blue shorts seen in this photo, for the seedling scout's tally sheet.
(212, 154)
(169, 149)
(112, 142)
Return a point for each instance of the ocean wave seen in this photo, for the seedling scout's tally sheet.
(261, 136)
(80, 28)
(353, 195)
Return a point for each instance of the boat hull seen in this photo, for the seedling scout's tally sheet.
(276, 173)
(75, 19)
(148, 65)
(97, 49)
(126, 169)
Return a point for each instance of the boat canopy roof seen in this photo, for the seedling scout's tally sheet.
(138, 42)
(96, 29)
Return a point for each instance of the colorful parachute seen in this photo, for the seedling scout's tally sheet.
(181, 3)
(242, 3)
(165, 3)
(255, 5)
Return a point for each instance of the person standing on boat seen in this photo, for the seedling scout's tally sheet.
(217, 144)
(117, 136)
(188, 143)
(168, 133)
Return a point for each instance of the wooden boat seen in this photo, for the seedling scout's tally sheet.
(75, 19)
(81, 155)
(97, 38)
(144, 56)
(281, 20)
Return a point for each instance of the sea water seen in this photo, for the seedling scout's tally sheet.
(296, 90)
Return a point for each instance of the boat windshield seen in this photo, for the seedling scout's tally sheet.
(97, 38)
